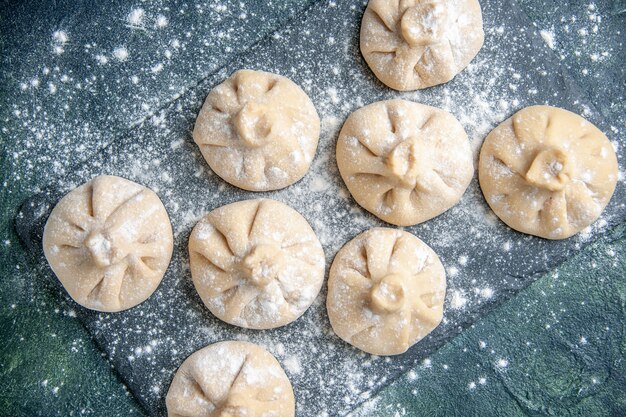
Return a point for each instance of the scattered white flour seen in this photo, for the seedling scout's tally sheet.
(102, 59)
(334, 96)
(457, 299)
(161, 21)
(319, 184)
(292, 365)
(157, 68)
(120, 53)
(59, 38)
(136, 17)
(113, 102)
(502, 363)
(548, 37)
(486, 293)
(453, 271)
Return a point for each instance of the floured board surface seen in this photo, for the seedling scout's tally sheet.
(486, 262)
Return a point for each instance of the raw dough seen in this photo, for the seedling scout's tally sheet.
(385, 291)
(256, 263)
(547, 172)
(230, 379)
(258, 131)
(413, 44)
(404, 162)
(109, 242)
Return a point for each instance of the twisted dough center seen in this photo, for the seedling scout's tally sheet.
(424, 24)
(262, 264)
(551, 170)
(106, 247)
(404, 163)
(253, 124)
(388, 295)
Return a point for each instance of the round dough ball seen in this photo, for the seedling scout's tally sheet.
(109, 242)
(385, 291)
(230, 379)
(547, 172)
(256, 263)
(404, 162)
(258, 131)
(416, 44)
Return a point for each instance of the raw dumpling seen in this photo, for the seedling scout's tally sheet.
(258, 131)
(256, 263)
(230, 379)
(385, 291)
(404, 162)
(413, 44)
(109, 242)
(547, 172)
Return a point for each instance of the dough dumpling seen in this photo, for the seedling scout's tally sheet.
(258, 131)
(385, 291)
(256, 263)
(404, 162)
(414, 44)
(109, 242)
(230, 379)
(547, 172)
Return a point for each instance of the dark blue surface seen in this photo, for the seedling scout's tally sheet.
(103, 111)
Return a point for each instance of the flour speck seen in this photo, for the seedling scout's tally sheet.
(502, 363)
(161, 21)
(548, 38)
(120, 53)
(136, 17)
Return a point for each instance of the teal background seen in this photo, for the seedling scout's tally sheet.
(567, 352)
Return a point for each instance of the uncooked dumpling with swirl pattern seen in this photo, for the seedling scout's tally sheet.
(256, 263)
(109, 242)
(258, 131)
(547, 172)
(414, 44)
(404, 162)
(230, 379)
(385, 291)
